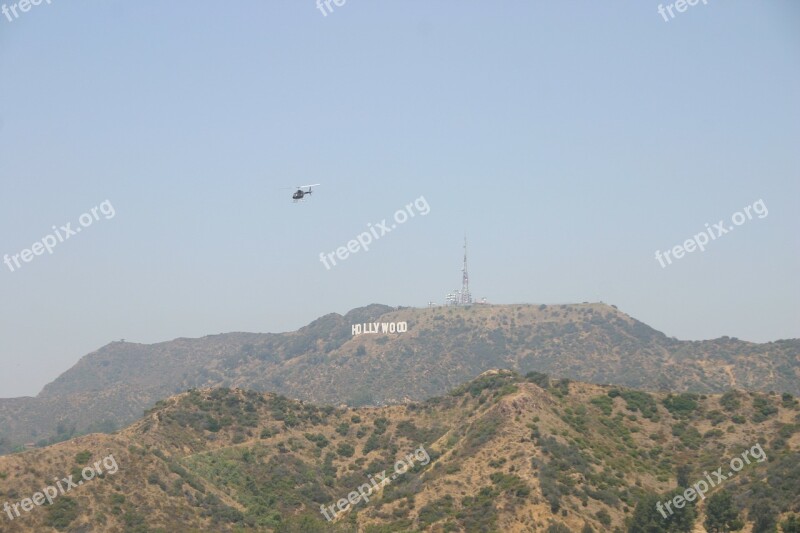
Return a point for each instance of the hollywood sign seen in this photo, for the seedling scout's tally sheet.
(380, 327)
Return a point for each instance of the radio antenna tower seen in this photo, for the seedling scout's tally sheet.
(466, 297)
(463, 296)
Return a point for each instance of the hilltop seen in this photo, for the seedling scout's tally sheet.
(443, 348)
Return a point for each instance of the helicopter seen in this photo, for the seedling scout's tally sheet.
(300, 193)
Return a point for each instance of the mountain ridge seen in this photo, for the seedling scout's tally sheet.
(505, 453)
(443, 348)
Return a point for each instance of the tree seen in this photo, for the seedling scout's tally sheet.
(763, 516)
(680, 406)
(730, 401)
(721, 514)
(345, 450)
(791, 524)
(650, 515)
(604, 518)
(543, 380)
(683, 472)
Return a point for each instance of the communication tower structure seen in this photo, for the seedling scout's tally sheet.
(463, 296)
(466, 296)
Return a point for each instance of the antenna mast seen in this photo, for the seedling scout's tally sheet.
(466, 297)
(463, 296)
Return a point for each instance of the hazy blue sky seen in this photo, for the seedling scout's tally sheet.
(570, 140)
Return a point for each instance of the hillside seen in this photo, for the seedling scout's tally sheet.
(500, 453)
(443, 347)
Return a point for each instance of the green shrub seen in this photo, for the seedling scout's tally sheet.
(730, 401)
(788, 401)
(764, 409)
(543, 380)
(646, 517)
(268, 432)
(61, 513)
(721, 513)
(603, 517)
(791, 524)
(373, 443)
(345, 450)
(83, 457)
(510, 483)
(320, 439)
(436, 510)
(604, 403)
(688, 435)
(641, 401)
(682, 405)
(716, 417)
(478, 513)
(381, 424)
